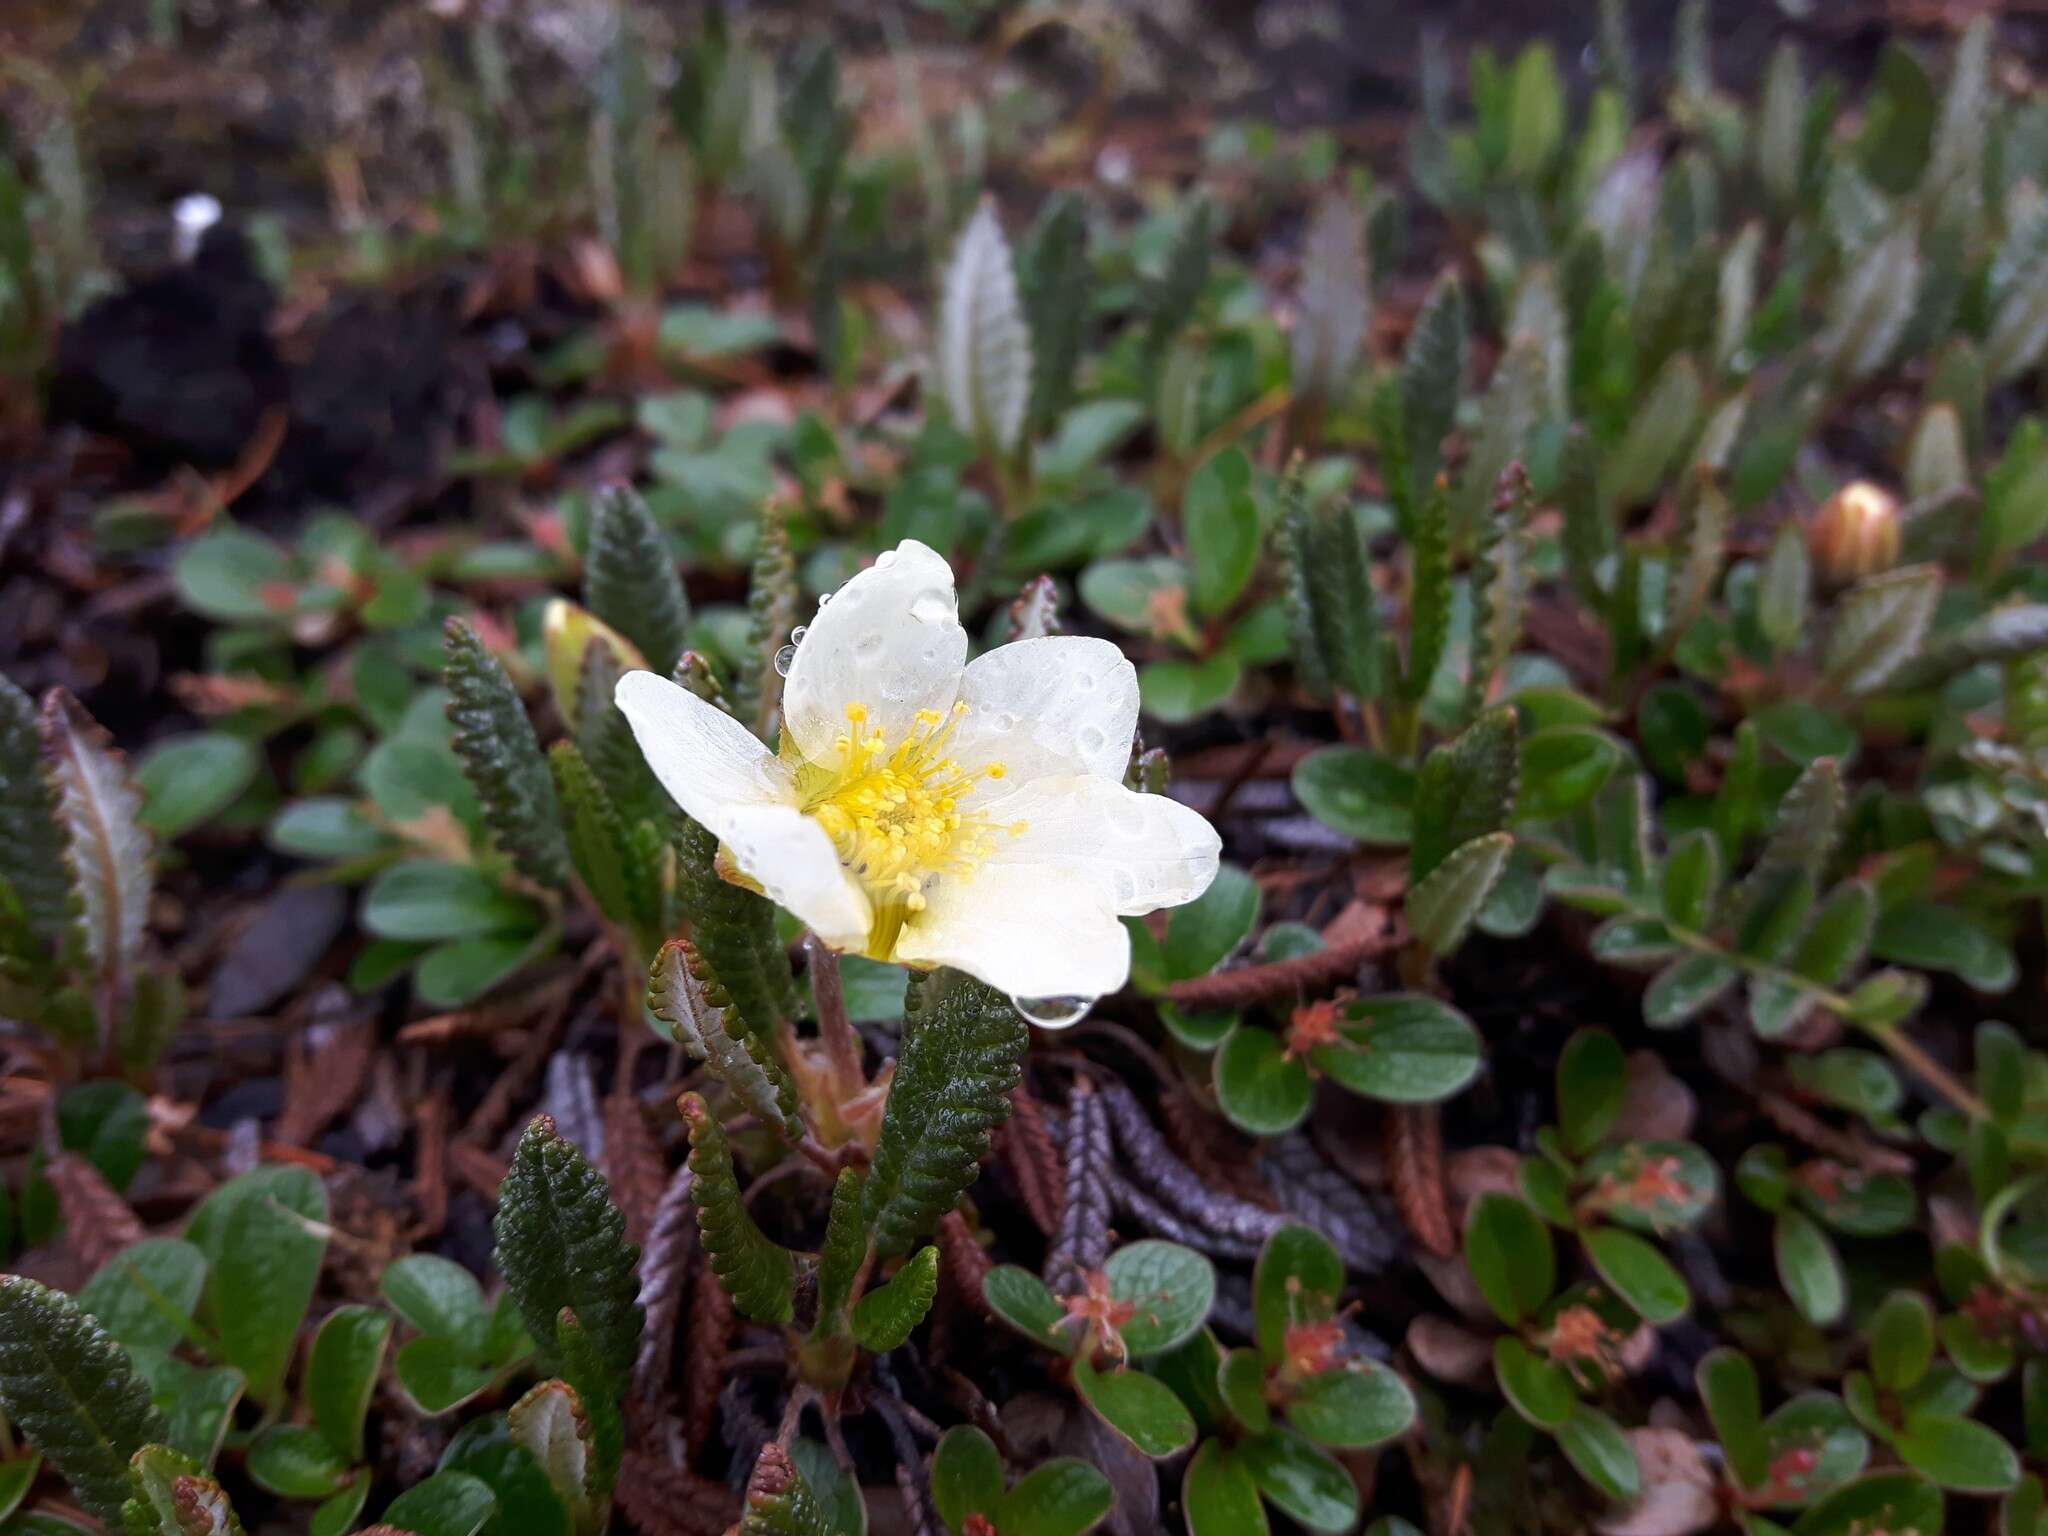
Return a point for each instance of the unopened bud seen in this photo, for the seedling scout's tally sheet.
(566, 632)
(1856, 532)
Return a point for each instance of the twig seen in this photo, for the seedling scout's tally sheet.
(1335, 963)
(1415, 1167)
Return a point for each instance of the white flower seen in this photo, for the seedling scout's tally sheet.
(933, 813)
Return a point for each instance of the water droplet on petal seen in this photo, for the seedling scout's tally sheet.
(885, 559)
(1052, 1012)
(931, 608)
(867, 647)
(784, 660)
(824, 598)
(796, 636)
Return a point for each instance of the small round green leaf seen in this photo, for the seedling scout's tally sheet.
(1594, 1444)
(1638, 1273)
(1358, 1405)
(1172, 1288)
(1359, 793)
(1509, 1251)
(1219, 1495)
(1540, 1392)
(966, 1476)
(1142, 1410)
(1402, 1048)
(1259, 1087)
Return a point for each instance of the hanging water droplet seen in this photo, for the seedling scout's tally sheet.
(1052, 1012)
(784, 660)
(796, 636)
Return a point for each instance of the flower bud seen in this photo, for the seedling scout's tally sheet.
(1856, 532)
(566, 632)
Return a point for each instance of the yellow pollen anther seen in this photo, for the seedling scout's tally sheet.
(899, 813)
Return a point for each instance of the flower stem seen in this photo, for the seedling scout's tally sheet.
(843, 1048)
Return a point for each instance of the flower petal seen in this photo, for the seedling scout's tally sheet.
(1028, 930)
(738, 790)
(890, 639)
(1141, 852)
(705, 759)
(1064, 704)
(789, 856)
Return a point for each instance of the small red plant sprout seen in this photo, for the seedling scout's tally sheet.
(1101, 1316)
(1313, 1026)
(1580, 1336)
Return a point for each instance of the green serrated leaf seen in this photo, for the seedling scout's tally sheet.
(843, 1251)
(884, 1317)
(1333, 610)
(684, 994)
(1053, 265)
(1500, 580)
(1441, 909)
(561, 1243)
(758, 1273)
(70, 1390)
(1879, 626)
(772, 595)
(550, 1424)
(1466, 789)
(1432, 375)
(733, 930)
(174, 1497)
(110, 857)
(32, 853)
(608, 860)
(630, 579)
(501, 756)
(778, 1500)
(1662, 426)
(1429, 592)
(963, 1049)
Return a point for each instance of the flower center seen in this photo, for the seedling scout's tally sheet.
(896, 813)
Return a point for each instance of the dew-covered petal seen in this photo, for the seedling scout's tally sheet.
(1028, 930)
(789, 856)
(890, 640)
(1063, 704)
(739, 791)
(705, 759)
(1141, 852)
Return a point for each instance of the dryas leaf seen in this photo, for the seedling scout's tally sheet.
(684, 994)
(884, 1317)
(70, 1390)
(984, 349)
(1335, 302)
(561, 1243)
(733, 930)
(630, 579)
(963, 1049)
(502, 758)
(111, 859)
(32, 859)
(1879, 626)
(758, 1273)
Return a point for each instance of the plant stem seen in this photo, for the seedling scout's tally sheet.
(1895, 1041)
(843, 1046)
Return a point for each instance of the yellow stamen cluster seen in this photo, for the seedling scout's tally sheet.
(895, 812)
